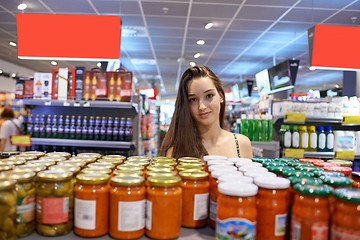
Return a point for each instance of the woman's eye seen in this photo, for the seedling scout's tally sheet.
(192, 99)
(210, 95)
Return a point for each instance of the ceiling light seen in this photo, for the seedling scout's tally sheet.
(22, 6)
(1, 71)
(209, 25)
(13, 75)
(200, 42)
(12, 44)
(193, 64)
(312, 68)
(53, 63)
(197, 55)
(98, 64)
(337, 86)
(255, 88)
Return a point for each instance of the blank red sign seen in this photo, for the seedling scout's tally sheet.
(78, 37)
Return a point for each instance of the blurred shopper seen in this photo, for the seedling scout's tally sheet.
(10, 126)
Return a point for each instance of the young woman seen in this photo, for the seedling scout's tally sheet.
(196, 128)
(10, 126)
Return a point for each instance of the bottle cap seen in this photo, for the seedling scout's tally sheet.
(238, 120)
(240, 189)
(243, 116)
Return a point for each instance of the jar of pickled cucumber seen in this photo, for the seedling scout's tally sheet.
(25, 209)
(54, 202)
(7, 210)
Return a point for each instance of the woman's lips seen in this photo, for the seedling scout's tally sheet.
(204, 115)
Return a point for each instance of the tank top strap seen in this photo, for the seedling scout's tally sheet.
(237, 145)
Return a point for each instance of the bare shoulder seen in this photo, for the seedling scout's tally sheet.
(245, 146)
(169, 152)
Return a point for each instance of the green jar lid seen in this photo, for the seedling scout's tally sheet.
(286, 160)
(266, 164)
(261, 159)
(336, 181)
(331, 173)
(313, 190)
(305, 180)
(297, 173)
(294, 164)
(279, 169)
(351, 195)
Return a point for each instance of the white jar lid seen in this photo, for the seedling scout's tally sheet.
(219, 162)
(252, 169)
(272, 183)
(221, 167)
(213, 157)
(240, 160)
(235, 179)
(238, 189)
(245, 164)
(255, 174)
(221, 172)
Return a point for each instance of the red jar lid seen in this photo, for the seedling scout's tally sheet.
(311, 160)
(344, 170)
(323, 164)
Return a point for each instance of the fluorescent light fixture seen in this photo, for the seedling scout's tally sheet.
(13, 75)
(1, 71)
(255, 88)
(312, 68)
(209, 25)
(193, 64)
(139, 61)
(337, 86)
(197, 55)
(53, 63)
(12, 44)
(67, 59)
(98, 64)
(200, 42)
(22, 6)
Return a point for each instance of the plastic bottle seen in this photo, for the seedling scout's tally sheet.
(250, 121)
(256, 128)
(270, 128)
(295, 137)
(321, 142)
(281, 134)
(243, 125)
(304, 137)
(238, 125)
(312, 139)
(263, 128)
(287, 137)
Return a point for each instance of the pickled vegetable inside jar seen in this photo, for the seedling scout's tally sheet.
(91, 205)
(163, 207)
(54, 203)
(195, 198)
(7, 210)
(127, 207)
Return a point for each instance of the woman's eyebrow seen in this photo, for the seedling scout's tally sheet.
(209, 90)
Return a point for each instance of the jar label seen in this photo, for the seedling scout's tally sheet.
(201, 204)
(330, 141)
(213, 210)
(131, 216)
(313, 140)
(287, 139)
(295, 228)
(52, 210)
(280, 224)
(319, 231)
(25, 209)
(148, 217)
(339, 233)
(235, 228)
(304, 140)
(322, 140)
(85, 214)
(295, 140)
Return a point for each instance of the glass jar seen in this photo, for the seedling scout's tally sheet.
(356, 177)
(8, 209)
(345, 221)
(310, 212)
(163, 207)
(54, 205)
(91, 205)
(236, 211)
(59, 154)
(195, 198)
(127, 207)
(25, 209)
(272, 207)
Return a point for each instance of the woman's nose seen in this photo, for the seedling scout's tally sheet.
(202, 105)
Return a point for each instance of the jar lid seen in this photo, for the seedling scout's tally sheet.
(52, 158)
(237, 189)
(235, 179)
(323, 164)
(189, 159)
(279, 169)
(267, 164)
(272, 182)
(309, 168)
(61, 154)
(128, 173)
(252, 169)
(6, 167)
(198, 164)
(137, 163)
(97, 170)
(101, 165)
(84, 159)
(159, 174)
(355, 174)
(115, 161)
(297, 173)
(118, 157)
(161, 168)
(160, 181)
(214, 157)
(13, 162)
(7, 184)
(220, 162)
(128, 180)
(330, 173)
(294, 164)
(313, 190)
(92, 178)
(343, 163)
(30, 168)
(155, 159)
(180, 168)
(344, 170)
(248, 164)
(351, 195)
(72, 163)
(285, 160)
(221, 172)
(17, 176)
(310, 160)
(138, 158)
(50, 175)
(260, 160)
(305, 180)
(222, 167)
(199, 175)
(96, 155)
(336, 181)
(259, 174)
(8, 154)
(239, 160)
(36, 153)
(130, 167)
(73, 169)
(40, 163)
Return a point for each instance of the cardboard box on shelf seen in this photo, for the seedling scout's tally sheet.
(28, 88)
(63, 85)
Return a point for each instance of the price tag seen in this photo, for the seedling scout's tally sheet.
(87, 104)
(76, 104)
(66, 104)
(294, 153)
(20, 140)
(351, 120)
(295, 118)
(47, 103)
(345, 155)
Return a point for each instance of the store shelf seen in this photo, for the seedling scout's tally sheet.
(81, 143)
(270, 149)
(324, 155)
(310, 119)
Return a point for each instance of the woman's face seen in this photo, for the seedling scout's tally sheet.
(204, 101)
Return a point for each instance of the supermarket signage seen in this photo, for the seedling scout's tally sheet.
(20, 140)
(295, 118)
(294, 153)
(68, 37)
(351, 120)
(334, 47)
(345, 155)
(150, 93)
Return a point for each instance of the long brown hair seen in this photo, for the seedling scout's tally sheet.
(183, 136)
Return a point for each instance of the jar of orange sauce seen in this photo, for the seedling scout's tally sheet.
(236, 212)
(127, 207)
(356, 178)
(345, 221)
(163, 207)
(195, 198)
(91, 205)
(310, 212)
(272, 207)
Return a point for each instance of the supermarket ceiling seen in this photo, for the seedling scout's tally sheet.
(160, 36)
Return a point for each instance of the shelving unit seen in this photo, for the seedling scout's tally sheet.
(270, 149)
(81, 143)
